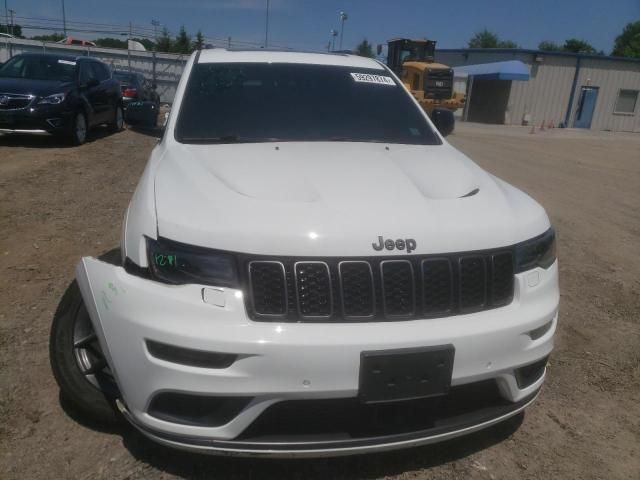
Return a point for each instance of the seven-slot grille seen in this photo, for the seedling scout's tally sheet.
(378, 289)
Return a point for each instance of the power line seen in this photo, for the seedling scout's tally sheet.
(140, 31)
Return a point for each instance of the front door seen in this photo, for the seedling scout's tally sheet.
(586, 107)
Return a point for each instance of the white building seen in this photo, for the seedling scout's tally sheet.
(575, 90)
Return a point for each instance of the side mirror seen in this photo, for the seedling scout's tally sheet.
(443, 120)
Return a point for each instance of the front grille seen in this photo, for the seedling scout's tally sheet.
(397, 288)
(438, 83)
(268, 287)
(11, 101)
(376, 288)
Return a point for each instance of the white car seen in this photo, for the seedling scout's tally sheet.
(308, 268)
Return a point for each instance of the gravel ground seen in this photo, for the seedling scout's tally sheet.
(59, 203)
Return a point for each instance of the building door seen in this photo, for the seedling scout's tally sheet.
(586, 107)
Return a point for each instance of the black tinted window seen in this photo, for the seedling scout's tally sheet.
(39, 68)
(86, 73)
(294, 102)
(99, 73)
(127, 78)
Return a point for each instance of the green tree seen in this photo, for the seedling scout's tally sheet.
(364, 49)
(164, 42)
(182, 43)
(110, 43)
(628, 42)
(198, 43)
(484, 39)
(507, 44)
(53, 37)
(549, 46)
(576, 45)
(15, 30)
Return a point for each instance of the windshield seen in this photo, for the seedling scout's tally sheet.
(124, 77)
(39, 68)
(257, 102)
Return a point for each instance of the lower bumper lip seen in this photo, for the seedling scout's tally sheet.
(24, 131)
(310, 449)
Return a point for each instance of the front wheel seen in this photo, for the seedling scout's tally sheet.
(78, 362)
(78, 134)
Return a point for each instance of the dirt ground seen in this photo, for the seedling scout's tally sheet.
(59, 203)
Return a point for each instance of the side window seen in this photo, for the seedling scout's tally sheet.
(86, 73)
(98, 72)
(106, 70)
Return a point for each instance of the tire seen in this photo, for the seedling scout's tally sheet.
(118, 120)
(79, 129)
(93, 394)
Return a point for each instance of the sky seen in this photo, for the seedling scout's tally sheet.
(305, 24)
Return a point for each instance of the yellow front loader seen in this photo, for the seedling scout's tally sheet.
(430, 83)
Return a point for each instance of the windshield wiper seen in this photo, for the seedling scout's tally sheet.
(227, 139)
(352, 139)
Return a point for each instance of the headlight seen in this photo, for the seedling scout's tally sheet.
(537, 252)
(179, 264)
(54, 99)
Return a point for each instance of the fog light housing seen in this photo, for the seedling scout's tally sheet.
(54, 122)
(529, 374)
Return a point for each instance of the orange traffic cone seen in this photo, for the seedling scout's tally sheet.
(542, 126)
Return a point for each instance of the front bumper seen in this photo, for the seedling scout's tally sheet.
(279, 362)
(41, 120)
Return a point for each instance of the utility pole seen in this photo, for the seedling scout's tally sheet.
(229, 42)
(64, 20)
(6, 16)
(334, 34)
(266, 30)
(155, 24)
(128, 46)
(11, 12)
(343, 17)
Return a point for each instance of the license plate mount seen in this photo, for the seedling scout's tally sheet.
(405, 374)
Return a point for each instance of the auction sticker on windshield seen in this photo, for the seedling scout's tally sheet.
(369, 78)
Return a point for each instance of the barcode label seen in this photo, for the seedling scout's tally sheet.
(368, 78)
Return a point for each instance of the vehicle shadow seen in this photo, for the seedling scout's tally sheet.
(50, 141)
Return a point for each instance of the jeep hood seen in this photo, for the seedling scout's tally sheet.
(336, 199)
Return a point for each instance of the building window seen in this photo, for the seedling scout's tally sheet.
(626, 102)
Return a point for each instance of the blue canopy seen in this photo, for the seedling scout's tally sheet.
(509, 70)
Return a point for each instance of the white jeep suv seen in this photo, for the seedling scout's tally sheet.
(308, 268)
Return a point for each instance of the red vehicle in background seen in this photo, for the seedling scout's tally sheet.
(77, 41)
